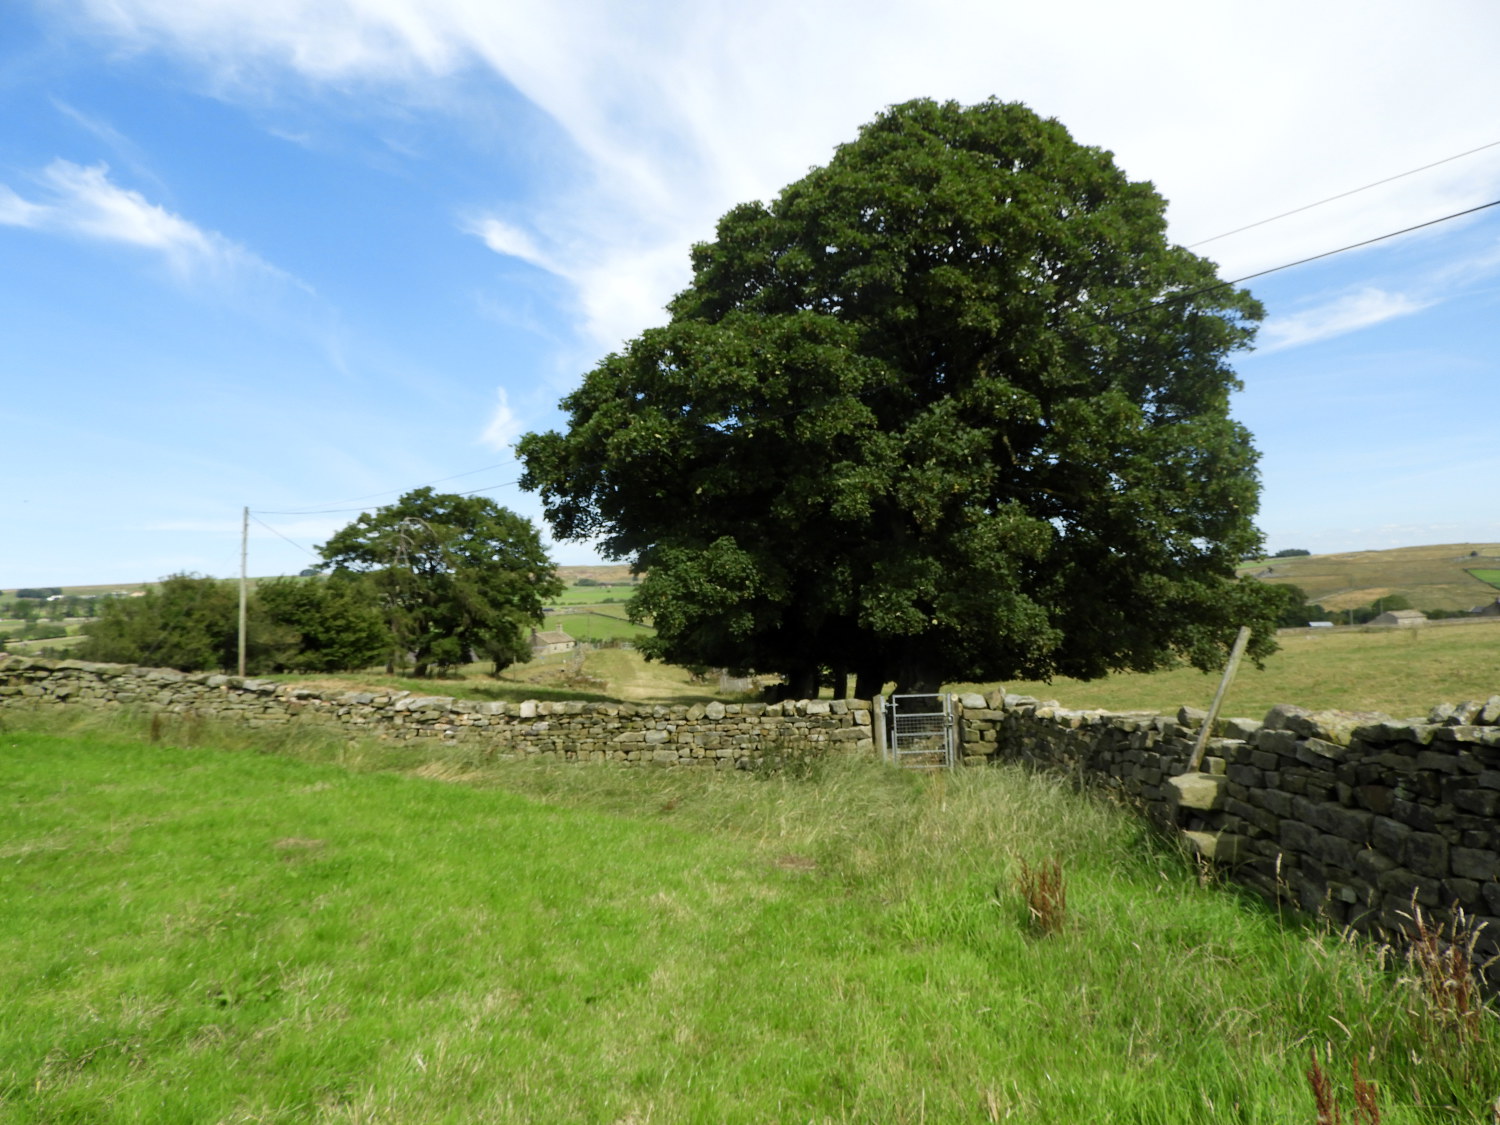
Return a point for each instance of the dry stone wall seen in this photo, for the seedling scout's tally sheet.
(719, 735)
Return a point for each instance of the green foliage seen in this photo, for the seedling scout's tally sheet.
(1291, 553)
(950, 407)
(326, 625)
(38, 592)
(188, 622)
(453, 575)
(1292, 609)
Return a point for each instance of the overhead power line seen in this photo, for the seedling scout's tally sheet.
(278, 534)
(1340, 195)
(1330, 253)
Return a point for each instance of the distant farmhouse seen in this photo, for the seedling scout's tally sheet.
(1400, 617)
(1491, 610)
(551, 640)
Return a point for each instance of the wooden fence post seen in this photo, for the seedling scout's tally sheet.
(1213, 712)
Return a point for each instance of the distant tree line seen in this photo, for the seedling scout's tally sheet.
(430, 582)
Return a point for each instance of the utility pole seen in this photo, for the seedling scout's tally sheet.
(244, 552)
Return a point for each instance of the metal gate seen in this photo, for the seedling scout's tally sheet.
(921, 731)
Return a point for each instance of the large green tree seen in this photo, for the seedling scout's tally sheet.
(951, 407)
(458, 577)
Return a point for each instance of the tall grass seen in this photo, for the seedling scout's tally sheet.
(193, 930)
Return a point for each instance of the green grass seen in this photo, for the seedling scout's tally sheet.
(594, 595)
(597, 626)
(192, 931)
(1490, 575)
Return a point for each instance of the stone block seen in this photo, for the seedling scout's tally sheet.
(1195, 791)
(1401, 884)
(1248, 776)
(1426, 853)
(1480, 802)
(1296, 836)
(1474, 863)
(1334, 851)
(1218, 847)
(1276, 741)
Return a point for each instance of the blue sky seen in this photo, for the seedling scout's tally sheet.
(305, 256)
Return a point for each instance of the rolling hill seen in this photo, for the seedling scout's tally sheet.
(1432, 577)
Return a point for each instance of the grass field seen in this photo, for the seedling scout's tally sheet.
(594, 595)
(191, 931)
(1489, 575)
(1402, 672)
(598, 625)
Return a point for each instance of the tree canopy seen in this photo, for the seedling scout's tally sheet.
(457, 577)
(949, 408)
(188, 622)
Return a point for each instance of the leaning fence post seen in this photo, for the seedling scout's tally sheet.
(1213, 712)
(877, 725)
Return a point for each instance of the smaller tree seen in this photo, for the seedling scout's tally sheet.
(456, 577)
(189, 622)
(323, 625)
(1291, 553)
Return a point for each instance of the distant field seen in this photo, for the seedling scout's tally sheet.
(597, 626)
(593, 595)
(1486, 574)
(1400, 672)
(1433, 577)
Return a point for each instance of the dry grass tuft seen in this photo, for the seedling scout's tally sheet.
(1445, 972)
(1045, 894)
(1366, 1106)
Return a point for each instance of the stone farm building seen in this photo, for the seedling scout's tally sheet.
(549, 641)
(1401, 617)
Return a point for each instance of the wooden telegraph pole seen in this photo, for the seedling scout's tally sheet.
(244, 551)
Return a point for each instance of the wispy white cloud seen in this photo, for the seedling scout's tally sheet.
(125, 150)
(1348, 312)
(504, 427)
(698, 107)
(84, 202)
(511, 241)
(17, 212)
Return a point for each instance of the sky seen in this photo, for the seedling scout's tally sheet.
(303, 256)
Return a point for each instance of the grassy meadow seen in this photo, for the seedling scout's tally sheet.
(218, 927)
(1402, 672)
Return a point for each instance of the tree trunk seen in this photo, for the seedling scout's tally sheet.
(802, 683)
(916, 677)
(869, 681)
